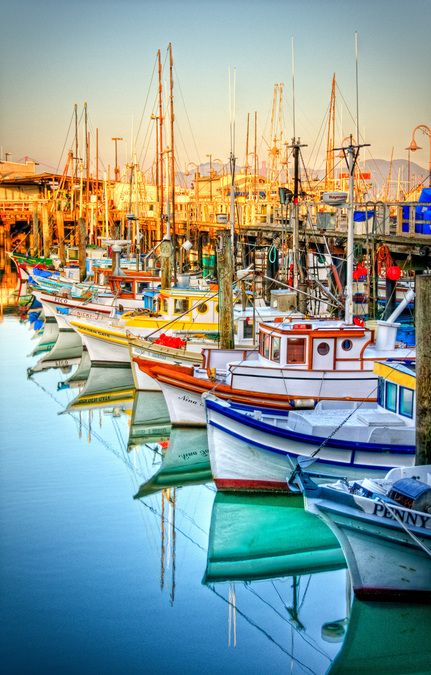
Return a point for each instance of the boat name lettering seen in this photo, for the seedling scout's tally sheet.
(406, 517)
(189, 400)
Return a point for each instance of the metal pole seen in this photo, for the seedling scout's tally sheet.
(348, 311)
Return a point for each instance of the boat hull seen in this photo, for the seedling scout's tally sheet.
(382, 563)
(244, 457)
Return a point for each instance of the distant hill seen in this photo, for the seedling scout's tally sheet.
(379, 169)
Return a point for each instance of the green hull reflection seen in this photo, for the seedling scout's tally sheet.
(265, 536)
(386, 638)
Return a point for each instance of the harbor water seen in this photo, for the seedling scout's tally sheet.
(118, 555)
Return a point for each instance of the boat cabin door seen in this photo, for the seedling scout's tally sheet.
(323, 353)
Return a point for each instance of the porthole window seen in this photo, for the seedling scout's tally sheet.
(203, 308)
(323, 348)
(216, 308)
(347, 345)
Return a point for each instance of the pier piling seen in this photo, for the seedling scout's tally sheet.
(423, 369)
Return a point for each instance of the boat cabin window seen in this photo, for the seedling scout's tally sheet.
(126, 286)
(347, 345)
(248, 327)
(266, 345)
(202, 308)
(141, 286)
(391, 396)
(181, 305)
(381, 392)
(275, 349)
(322, 348)
(406, 402)
(295, 350)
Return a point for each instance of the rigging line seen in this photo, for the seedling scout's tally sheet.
(145, 103)
(94, 433)
(262, 630)
(157, 513)
(355, 409)
(149, 133)
(400, 522)
(178, 81)
(318, 136)
(309, 641)
(65, 141)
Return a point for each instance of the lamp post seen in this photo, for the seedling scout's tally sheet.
(117, 170)
(414, 146)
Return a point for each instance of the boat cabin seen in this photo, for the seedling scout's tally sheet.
(314, 345)
(397, 387)
(131, 285)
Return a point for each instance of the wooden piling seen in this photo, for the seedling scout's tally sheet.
(423, 369)
(60, 236)
(35, 248)
(82, 245)
(46, 234)
(225, 279)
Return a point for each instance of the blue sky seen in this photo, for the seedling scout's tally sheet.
(55, 54)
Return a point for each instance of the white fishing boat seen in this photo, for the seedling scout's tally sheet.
(253, 449)
(384, 528)
(297, 365)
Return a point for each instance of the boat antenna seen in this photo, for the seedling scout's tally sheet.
(357, 86)
(293, 85)
(232, 104)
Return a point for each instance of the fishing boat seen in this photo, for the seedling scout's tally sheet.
(384, 528)
(297, 365)
(254, 449)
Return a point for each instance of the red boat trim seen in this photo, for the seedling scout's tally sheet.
(390, 594)
(251, 485)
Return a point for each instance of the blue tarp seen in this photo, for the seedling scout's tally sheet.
(422, 214)
(44, 273)
(362, 216)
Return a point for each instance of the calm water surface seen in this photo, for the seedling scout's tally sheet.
(177, 580)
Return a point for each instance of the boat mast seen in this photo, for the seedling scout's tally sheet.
(232, 158)
(160, 140)
(171, 102)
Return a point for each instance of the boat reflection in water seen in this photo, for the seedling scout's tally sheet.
(272, 540)
(80, 376)
(66, 352)
(184, 461)
(385, 637)
(150, 420)
(178, 458)
(106, 386)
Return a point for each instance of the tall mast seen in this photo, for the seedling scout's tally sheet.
(351, 153)
(76, 140)
(331, 140)
(171, 110)
(246, 153)
(255, 156)
(160, 136)
(232, 159)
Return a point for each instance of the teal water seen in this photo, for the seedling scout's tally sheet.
(93, 580)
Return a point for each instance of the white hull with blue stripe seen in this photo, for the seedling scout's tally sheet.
(255, 450)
